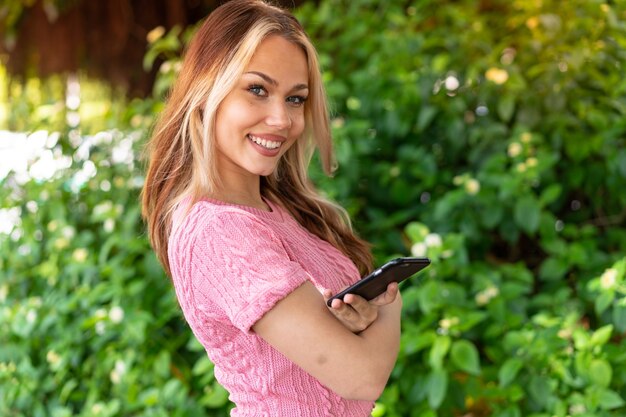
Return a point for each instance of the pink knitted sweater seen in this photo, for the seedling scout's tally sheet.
(230, 265)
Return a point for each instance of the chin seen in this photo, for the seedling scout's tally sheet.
(264, 172)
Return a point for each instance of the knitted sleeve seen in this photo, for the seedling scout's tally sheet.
(240, 266)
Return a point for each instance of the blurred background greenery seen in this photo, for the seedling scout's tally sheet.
(489, 135)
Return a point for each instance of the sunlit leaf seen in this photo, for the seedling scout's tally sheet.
(465, 355)
(437, 386)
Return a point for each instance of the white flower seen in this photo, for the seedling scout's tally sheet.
(483, 297)
(433, 240)
(118, 371)
(109, 225)
(451, 83)
(80, 255)
(116, 314)
(52, 357)
(9, 218)
(419, 249)
(447, 323)
(472, 186)
(608, 278)
(32, 206)
(100, 327)
(514, 149)
(31, 316)
(68, 232)
(102, 208)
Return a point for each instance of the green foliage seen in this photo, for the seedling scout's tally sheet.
(500, 127)
(89, 322)
(489, 136)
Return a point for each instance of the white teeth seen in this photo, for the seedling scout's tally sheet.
(269, 144)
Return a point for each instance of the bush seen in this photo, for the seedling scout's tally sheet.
(89, 321)
(490, 136)
(486, 135)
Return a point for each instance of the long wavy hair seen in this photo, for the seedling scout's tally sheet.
(182, 150)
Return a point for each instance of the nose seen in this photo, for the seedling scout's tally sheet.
(278, 116)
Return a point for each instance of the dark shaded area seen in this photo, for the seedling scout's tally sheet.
(105, 38)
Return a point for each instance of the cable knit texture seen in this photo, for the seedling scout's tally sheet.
(230, 265)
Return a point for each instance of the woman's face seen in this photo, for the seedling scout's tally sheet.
(263, 115)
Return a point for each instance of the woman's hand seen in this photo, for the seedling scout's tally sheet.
(356, 313)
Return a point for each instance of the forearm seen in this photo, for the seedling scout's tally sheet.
(382, 340)
(383, 335)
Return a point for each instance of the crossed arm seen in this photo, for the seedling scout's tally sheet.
(347, 351)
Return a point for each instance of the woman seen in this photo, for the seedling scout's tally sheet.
(252, 249)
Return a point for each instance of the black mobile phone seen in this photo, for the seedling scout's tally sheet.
(396, 270)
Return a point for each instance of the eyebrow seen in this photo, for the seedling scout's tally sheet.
(273, 82)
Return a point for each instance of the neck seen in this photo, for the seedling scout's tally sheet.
(245, 194)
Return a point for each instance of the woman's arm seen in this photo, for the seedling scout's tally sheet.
(355, 366)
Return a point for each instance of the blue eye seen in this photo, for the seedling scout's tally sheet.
(257, 90)
(296, 100)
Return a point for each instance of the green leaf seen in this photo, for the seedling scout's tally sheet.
(509, 371)
(603, 301)
(215, 396)
(465, 356)
(602, 335)
(425, 117)
(608, 400)
(429, 296)
(527, 214)
(600, 372)
(416, 231)
(437, 386)
(511, 411)
(505, 107)
(550, 194)
(619, 316)
(540, 390)
(553, 269)
(491, 215)
(438, 351)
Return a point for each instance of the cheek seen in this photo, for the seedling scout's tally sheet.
(298, 124)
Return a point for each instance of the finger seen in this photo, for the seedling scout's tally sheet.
(326, 293)
(338, 305)
(360, 304)
(388, 296)
(392, 290)
(344, 311)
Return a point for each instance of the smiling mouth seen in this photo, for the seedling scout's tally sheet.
(267, 144)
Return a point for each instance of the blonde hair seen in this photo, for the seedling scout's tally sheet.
(182, 150)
